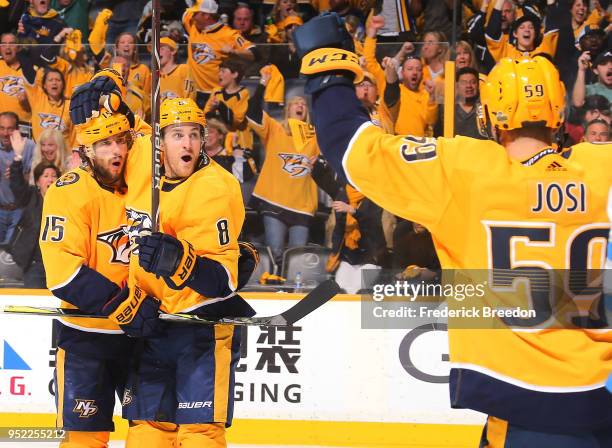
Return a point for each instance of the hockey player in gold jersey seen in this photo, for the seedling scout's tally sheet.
(192, 265)
(196, 254)
(85, 249)
(514, 202)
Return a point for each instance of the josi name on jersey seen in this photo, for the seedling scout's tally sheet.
(555, 197)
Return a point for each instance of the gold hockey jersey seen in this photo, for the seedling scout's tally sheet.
(205, 209)
(285, 179)
(177, 83)
(84, 244)
(204, 53)
(488, 211)
(11, 86)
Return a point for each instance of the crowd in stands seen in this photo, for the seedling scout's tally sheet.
(238, 61)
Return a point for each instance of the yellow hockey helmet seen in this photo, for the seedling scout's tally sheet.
(522, 92)
(105, 125)
(180, 110)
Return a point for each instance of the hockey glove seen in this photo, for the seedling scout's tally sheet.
(106, 89)
(136, 313)
(327, 53)
(247, 262)
(167, 257)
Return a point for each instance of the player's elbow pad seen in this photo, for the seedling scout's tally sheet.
(209, 278)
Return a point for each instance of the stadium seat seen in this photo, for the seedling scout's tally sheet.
(309, 261)
(11, 275)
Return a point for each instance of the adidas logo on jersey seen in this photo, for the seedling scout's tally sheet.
(555, 166)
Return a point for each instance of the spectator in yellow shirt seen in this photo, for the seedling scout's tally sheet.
(50, 107)
(210, 43)
(525, 38)
(175, 78)
(411, 101)
(12, 91)
(140, 74)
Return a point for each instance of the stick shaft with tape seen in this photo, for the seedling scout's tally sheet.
(155, 105)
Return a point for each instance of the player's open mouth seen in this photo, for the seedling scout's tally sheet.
(187, 158)
(116, 163)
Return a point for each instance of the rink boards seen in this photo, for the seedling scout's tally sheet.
(326, 382)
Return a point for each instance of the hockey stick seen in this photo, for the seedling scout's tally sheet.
(155, 104)
(313, 300)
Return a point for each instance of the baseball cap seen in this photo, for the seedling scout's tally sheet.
(590, 31)
(598, 102)
(603, 58)
(291, 20)
(164, 41)
(367, 76)
(208, 6)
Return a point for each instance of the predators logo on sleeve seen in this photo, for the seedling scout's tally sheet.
(67, 179)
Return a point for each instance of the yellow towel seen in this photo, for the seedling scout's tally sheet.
(97, 37)
(73, 44)
(275, 90)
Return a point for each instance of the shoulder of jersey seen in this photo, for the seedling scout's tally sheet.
(77, 184)
(70, 178)
(213, 173)
(593, 155)
(592, 148)
(244, 93)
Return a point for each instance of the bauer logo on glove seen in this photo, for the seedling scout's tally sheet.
(126, 311)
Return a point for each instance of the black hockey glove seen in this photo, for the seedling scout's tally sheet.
(106, 88)
(136, 313)
(247, 262)
(167, 257)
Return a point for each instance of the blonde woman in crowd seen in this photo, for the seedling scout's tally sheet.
(434, 53)
(51, 148)
(465, 56)
(286, 193)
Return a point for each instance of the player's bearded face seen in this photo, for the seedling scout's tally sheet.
(181, 145)
(110, 157)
